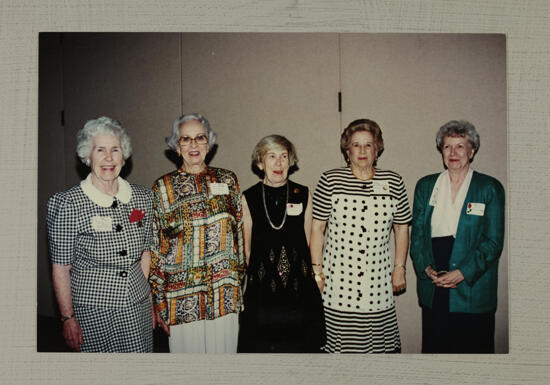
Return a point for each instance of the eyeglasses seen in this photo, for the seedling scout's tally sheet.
(200, 139)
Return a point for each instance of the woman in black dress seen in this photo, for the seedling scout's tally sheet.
(283, 310)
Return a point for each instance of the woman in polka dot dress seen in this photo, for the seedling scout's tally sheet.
(358, 206)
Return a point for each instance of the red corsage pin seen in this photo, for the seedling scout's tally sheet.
(137, 216)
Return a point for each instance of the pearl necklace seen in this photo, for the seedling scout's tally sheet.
(267, 213)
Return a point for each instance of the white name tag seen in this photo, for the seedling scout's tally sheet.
(294, 209)
(219, 188)
(381, 187)
(475, 209)
(102, 223)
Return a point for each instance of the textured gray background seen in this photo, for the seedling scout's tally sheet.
(527, 26)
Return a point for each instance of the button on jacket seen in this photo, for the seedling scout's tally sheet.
(102, 241)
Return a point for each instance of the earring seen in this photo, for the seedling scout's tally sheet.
(88, 162)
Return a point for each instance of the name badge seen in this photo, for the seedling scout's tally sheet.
(381, 187)
(294, 209)
(219, 188)
(475, 209)
(102, 223)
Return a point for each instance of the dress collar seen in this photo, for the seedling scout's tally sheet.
(124, 193)
(444, 178)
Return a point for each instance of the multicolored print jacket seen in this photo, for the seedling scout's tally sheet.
(197, 248)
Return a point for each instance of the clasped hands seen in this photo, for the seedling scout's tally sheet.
(447, 280)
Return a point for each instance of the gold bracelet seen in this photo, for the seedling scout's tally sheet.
(313, 267)
(400, 265)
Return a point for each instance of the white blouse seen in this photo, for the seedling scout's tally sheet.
(446, 213)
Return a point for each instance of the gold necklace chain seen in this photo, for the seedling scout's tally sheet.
(267, 213)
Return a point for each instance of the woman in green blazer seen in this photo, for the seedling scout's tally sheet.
(456, 241)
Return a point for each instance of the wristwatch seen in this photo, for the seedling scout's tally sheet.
(65, 318)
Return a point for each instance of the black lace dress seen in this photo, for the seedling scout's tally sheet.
(283, 311)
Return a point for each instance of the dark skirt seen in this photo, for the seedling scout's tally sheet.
(268, 328)
(449, 332)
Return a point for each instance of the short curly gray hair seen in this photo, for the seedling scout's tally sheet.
(460, 128)
(172, 140)
(101, 126)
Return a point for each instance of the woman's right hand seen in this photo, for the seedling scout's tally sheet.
(61, 278)
(316, 249)
(162, 324)
(431, 273)
(72, 334)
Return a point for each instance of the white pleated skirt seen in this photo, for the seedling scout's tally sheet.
(206, 336)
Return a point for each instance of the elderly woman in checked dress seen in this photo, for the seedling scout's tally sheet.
(99, 233)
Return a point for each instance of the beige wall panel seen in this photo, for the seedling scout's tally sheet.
(132, 77)
(411, 85)
(252, 85)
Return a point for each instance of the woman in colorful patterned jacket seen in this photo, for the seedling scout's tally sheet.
(197, 250)
(99, 235)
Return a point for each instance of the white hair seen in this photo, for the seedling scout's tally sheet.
(172, 140)
(101, 126)
(461, 128)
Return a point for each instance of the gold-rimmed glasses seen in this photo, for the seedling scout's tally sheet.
(200, 139)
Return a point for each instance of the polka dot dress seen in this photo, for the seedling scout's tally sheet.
(356, 255)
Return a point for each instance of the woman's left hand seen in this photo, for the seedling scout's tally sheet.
(449, 280)
(398, 280)
(154, 314)
(320, 285)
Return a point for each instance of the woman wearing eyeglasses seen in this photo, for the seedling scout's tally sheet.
(197, 255)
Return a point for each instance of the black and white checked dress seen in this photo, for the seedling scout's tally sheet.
(357, 297)
(91, 231)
